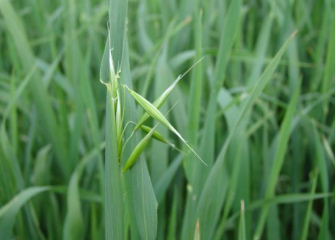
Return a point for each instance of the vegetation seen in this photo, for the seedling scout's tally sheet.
(179, 119)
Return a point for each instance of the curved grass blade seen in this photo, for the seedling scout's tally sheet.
(41, 97)
(138, 150)
(104, 66)
(10, 210)
(228, 35)
(161, 99)
(281, 199)
(304, 232)
(164, 182)
(212, 184)
(156, 135)
(74, 222)
(156, 114)
(17, 95)
(281, 148)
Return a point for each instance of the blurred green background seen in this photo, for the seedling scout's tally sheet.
(268, 139)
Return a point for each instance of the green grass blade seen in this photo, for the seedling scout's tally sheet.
(281, 148)
(143, 200)
(54, 113)
(330, 62)
(262, 43)
(161, 186)
(282, 199)
(114, 201)
(194, 104)
(74, 222)
(172, 231)
(228, 34)
(162, 98)
(104, 67)
(304, 232)
(138, 150)
(41, 98)
(9, 211)
(113, 183)
(212, 185)
(157, 115)
(241, 232)
(117, 27)
(324, 179)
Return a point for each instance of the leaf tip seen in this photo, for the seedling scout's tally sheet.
(294, 33)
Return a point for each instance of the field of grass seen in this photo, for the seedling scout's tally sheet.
(256, 105)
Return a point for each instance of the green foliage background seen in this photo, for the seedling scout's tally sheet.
(258, 109)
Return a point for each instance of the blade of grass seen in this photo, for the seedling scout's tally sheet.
(41, 98)
(161, 186)
(304, 232)
(194, 102)
(212, 185)
(282, 199)
(281, 148)
(241, 232)
(113, 188)
(324, 179)
(74, 222)
(330, 62)
(172, 231)
(112, 60)
(231, 22)
(138, 182)
(157, 115)
(9, 211)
